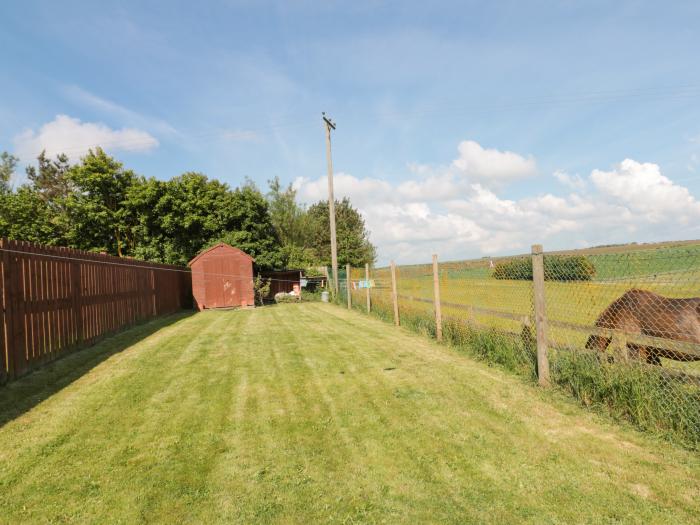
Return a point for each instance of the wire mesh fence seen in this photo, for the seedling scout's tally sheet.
(617, 328)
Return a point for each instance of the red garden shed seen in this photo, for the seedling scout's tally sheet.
(222, 276)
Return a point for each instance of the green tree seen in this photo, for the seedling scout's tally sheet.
(176, 219)
(354, 247)
(8, 163)
(150, 242)
(252, 230)
(298, 257)
(49, 177)
(99, 205)
(24, 215)
(97, 216)
(288, 217)
(293, 226)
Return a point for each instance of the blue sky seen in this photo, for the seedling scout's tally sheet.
(235, 89)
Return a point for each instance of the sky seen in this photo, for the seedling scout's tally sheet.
(465, 129)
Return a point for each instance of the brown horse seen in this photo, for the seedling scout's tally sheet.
(646, 313)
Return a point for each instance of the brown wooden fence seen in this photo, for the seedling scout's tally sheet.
(55, 300)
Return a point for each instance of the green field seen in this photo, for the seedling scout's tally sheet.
(314, 414)
(669, 269)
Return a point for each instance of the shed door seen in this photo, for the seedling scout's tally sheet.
(214, 286)
(229, 284)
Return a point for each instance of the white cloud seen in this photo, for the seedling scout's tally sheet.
(441, 211)
(575, 182)
(360, 191)
(436, 187)
(642, 188)
(489, 167)
(492, 166)
(69, 135)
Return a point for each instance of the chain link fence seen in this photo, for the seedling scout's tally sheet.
(618, 327)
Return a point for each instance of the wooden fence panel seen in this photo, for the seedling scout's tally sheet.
(4, 362)
(54, 300)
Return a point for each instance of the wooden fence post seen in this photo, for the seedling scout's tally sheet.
(540, 315)
(436, 292)
(76, 300)
(369, 306)
(394, 294)
(347, 285)
(619, 346)
(15, 313)
(6, 339)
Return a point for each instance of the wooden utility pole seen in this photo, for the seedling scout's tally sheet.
(331, 200)
(540, 315)
(436, 291)
(347, 285)
(369, 306)
(394, 294)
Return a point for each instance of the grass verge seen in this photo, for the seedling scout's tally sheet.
(646, 396)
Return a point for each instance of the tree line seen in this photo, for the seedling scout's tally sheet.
(99, 205)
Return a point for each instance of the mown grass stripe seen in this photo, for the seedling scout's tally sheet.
(245, 416)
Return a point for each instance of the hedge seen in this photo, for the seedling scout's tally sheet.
(556, 268)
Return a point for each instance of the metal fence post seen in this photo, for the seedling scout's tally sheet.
(394, 295)
(300, 287)
(540, 314)
(347, 285)
(369, 306)
(436, 292)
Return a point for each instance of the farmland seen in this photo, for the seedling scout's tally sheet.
(310, 413)
(669, 269)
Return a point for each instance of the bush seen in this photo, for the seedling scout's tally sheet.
(261, 289)
(556, 268)
(314, 296)
(514, 269)
(568, 268)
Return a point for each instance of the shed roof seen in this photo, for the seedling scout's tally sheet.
(220, 245)
(276, 272)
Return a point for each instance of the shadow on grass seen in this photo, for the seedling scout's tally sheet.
(20, 396)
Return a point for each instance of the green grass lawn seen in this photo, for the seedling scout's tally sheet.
(313, 414)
